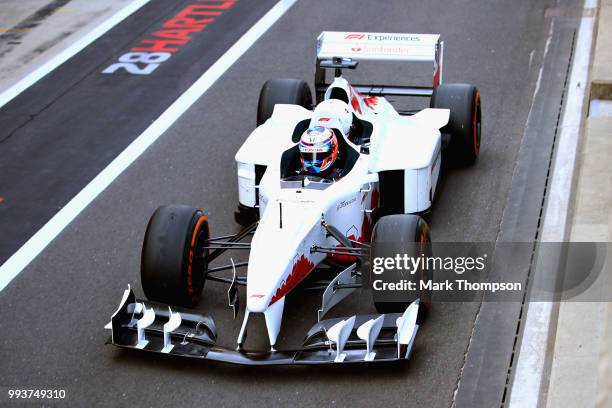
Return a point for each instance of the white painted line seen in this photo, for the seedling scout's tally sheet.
(35, 245)
(530, 375)
(66, 54)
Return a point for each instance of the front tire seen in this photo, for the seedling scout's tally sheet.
(284, 91)
(465, 122)
(402, 234)
(173, 269)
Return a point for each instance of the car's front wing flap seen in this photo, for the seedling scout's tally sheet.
(153, 327)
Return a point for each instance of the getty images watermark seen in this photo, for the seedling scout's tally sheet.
(490, 271)
(412, 265)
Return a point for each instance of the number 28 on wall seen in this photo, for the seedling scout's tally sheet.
(138, 63)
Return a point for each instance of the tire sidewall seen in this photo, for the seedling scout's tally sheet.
(172, 269)
(410, 234)
(465, 121)
(282, 91)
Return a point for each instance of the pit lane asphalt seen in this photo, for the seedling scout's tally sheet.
(61, 132)
(52, 314)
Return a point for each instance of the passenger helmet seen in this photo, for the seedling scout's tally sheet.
(333, 113)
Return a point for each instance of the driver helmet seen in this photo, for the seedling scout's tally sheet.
(318, 149)
(333, 113)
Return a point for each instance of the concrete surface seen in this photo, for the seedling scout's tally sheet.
(582, 363)
(26, 43)
(604, 391)
(593, 205)
(580, 373)
(14, 11)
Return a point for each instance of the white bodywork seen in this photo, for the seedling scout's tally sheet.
(384, 47)
(290, 218)
(378, 46)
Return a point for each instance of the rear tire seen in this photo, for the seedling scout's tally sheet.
(285, 91)
(464, 124)
(172, 268)
(410, 235)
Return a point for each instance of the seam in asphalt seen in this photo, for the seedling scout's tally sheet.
(466, 352)
(33, 116)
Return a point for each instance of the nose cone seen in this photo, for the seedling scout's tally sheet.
(270, 257)
(268, 268)
(258, 302)
(280, 256)
(261, 294)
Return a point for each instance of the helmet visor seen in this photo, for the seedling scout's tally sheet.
(314, 161)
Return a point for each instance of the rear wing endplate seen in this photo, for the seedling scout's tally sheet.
(381, 47)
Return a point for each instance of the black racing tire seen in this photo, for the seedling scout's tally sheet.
(285, 91)
(409, 234)
(172, 267)
(465, 122)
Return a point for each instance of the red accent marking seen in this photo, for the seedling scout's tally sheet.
(365, 234)
(367, 225)
(355, 99)
(345, 259)
(257, 295)
(366, 229)
(371, 102)
(176, 31)
(197, 228)
(190, 273)
(188, 23)
(374, 199)
(355, 104)
(354, 37)
(356, 49)
(436, 78)
(300, 270)
(182, 34)
(159, 45)
(323, 119)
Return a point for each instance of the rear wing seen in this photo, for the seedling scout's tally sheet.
(381, 47)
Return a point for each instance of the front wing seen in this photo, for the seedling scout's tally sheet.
(153, 327)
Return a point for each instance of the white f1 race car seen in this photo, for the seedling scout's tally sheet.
(299, 224)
